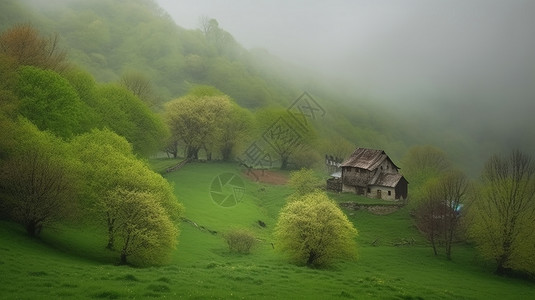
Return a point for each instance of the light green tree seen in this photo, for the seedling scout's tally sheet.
(51, 103)
(313, 231)
(235, 128)
(145, 233)
(128, 116)
(304, 182)
(107, 163)
(197, 122)
(503, 213)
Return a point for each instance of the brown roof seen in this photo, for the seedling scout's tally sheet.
(368, 159)
(388, 180)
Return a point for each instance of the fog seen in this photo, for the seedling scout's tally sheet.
(474, 61)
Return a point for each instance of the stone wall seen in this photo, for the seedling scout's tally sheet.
(378, 209)
(334, 184)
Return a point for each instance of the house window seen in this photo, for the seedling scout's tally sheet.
(368, 190)
(389, 193)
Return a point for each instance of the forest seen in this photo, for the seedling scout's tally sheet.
(102, 101)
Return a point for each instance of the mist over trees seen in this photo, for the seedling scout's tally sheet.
(135, 83)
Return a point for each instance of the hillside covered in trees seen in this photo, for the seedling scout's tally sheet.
(137, 40)
(102, 101)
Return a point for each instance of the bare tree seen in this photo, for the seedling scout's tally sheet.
(438, 214)
(24, 44)
(140, 86)
(453, 187)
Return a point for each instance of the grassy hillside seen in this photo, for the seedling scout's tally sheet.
(71, 262)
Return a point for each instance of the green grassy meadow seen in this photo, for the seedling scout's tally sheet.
(71, 262)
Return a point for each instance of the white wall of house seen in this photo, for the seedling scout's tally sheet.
(386, 193)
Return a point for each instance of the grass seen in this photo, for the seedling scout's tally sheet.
(71, 262)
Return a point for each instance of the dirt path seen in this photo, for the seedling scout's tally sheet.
(266, 176)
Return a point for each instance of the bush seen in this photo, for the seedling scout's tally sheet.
(313, 231)
(240, 240)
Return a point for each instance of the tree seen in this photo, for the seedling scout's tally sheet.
(36, 179)
(438, 213)
(140, 86)
(503, 213)
(8, 82)
(284, 135)
(304, 182)
(235, 127)
(51, 103)
(454, 188)
(128, 116)
(196, 121)
(314, 231)
(422, 164)
(107, 163)
(24, 44)
(143, 228)
(427, 213)
(338, 147)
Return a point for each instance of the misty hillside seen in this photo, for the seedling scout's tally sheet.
(110, 38)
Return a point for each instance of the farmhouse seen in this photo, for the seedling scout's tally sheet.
(371, 173)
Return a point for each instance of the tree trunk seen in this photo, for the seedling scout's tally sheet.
(311, 258)
(111, 234)
(123, 259)
(226, 151)
(433, 243)
(193, 152)
(111, 242)
(500, 268)
(284, 163)
(33, 229)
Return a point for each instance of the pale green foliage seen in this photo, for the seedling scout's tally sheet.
(312, 230)
(197, 122)
(107, 163)
(144, 232)
(36, 178)
(235, 127)
(240, 240)
(503, 213)
(304, 182)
